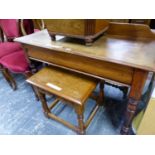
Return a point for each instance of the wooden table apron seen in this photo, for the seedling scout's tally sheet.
(99, 69)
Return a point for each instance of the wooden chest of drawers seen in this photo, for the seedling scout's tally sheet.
(86, 29)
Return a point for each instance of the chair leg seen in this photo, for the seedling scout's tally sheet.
(9, 78)
(80, 110)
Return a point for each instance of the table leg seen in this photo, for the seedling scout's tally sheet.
(138, 82)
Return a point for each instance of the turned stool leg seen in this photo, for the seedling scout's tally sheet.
(80, 110)
(46, 110)
(35, 92)
(81, 124)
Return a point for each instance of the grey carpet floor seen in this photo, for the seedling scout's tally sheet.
(21, 114)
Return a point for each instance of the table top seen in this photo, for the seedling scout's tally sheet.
(133, 52)
(73, 87)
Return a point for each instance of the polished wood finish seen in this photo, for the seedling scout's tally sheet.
(131, 31)
(106, 48)
(87, 29)
(73, 87)
(69, 86)
(139, 79)
(81, 64)
(125, 55)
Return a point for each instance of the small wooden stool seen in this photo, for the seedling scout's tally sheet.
(68, 86)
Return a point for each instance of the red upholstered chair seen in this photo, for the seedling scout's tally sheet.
(10, 28)
(12, 56)
(15, 60)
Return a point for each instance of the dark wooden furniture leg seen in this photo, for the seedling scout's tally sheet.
(139, 79)
(46, 110)
(9, 78)
(80, 110)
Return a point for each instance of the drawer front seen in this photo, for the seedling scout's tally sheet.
(96, 68)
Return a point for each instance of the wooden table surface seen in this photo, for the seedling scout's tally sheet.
(138, 53)
(125, 54)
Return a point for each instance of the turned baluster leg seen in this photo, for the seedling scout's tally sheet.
(80, 110)
(46, 110)
(139, 79)
(131, 109)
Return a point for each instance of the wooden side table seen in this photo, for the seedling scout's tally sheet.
(72, 88)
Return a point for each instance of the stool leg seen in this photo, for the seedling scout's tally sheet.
(44, 103)
(79, 110)
(35, 92)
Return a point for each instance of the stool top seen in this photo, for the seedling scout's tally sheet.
(65, 84)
